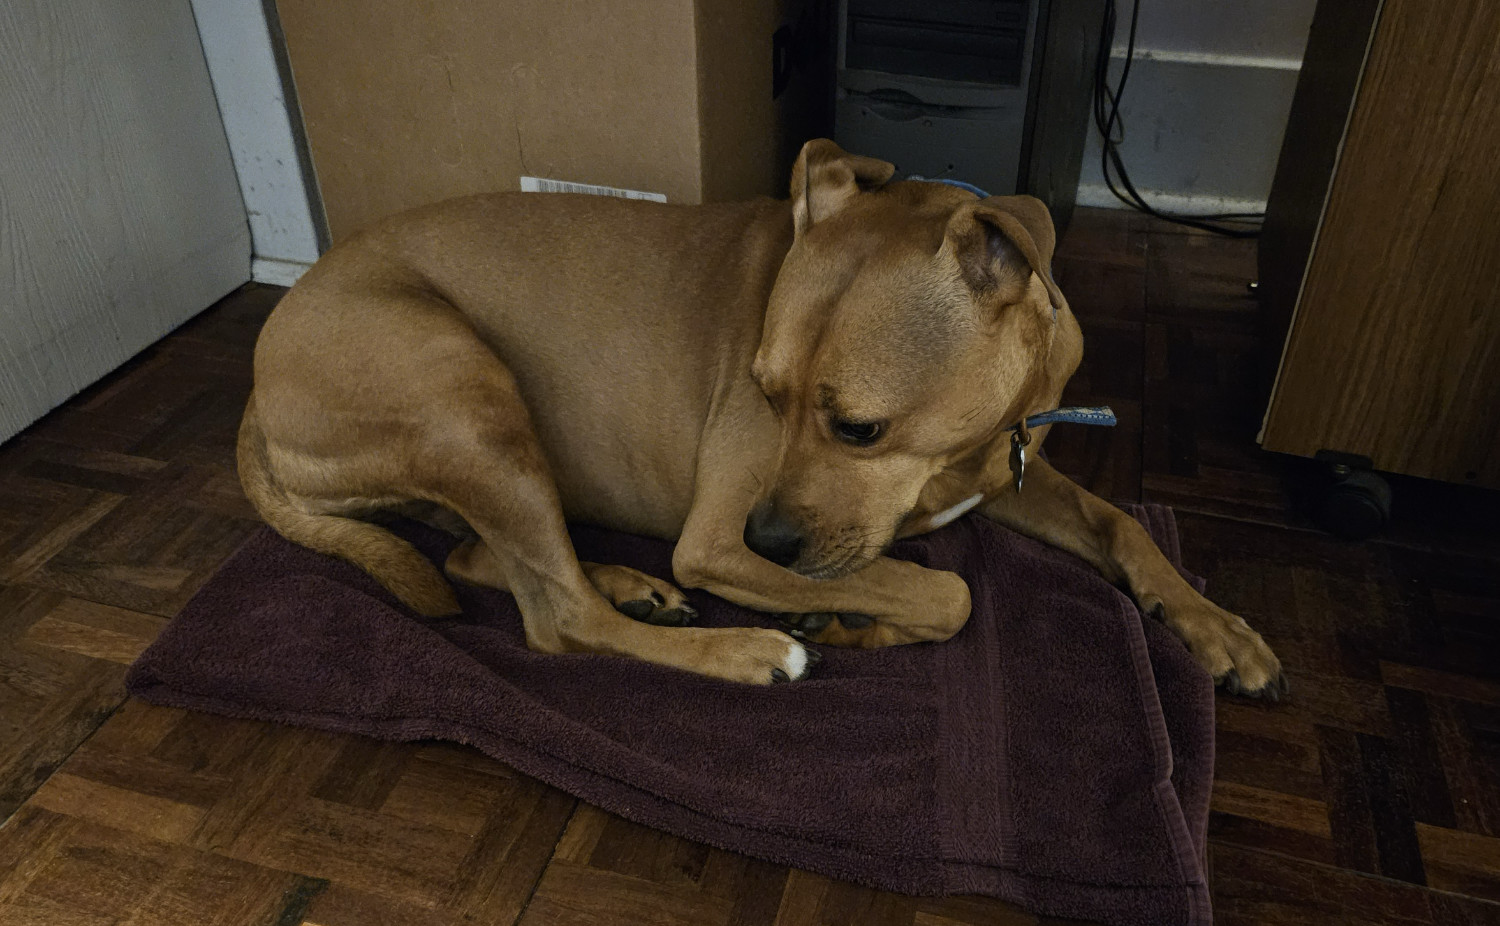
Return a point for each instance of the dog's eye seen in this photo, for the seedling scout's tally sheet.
(858, 432)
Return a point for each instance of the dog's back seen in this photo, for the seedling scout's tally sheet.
(617, 318)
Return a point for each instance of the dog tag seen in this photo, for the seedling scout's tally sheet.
(1018, 441)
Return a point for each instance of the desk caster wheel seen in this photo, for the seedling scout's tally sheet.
(1356, 506)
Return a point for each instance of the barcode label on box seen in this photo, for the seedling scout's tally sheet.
(543, 185)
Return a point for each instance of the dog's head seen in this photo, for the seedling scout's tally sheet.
(909, 326)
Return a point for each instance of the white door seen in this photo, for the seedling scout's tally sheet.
(120, 217)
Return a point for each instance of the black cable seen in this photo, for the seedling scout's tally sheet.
(1108, 121)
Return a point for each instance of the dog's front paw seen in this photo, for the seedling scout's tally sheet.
(641, 597)
(755, 656)
(1235, 655)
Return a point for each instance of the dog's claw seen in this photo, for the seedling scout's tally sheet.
(855, 621)
(813, 623)
(779, 676)
(1276, 689)
(673, 617)
(1272, 691)
(813, 657)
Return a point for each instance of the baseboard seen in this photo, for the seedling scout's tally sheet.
(1098, 195)
(277, 272)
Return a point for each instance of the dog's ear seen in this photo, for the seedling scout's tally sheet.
(826, 177)
(1000, 242)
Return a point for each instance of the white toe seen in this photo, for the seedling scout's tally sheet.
(795, 665)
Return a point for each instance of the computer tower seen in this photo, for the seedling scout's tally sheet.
(992, 92)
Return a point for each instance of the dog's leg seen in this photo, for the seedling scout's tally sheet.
(632, 592)
(1053, 509)
(888, 602)
(486, 464)
(564, 612)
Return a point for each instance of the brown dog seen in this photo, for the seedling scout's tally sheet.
(807, 381)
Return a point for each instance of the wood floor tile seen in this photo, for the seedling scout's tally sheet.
(1466, 863)
(813, 900)
(498, 877)
(54, 534)
(572, 894)
(1442, 684)
(340, 905)
(1258, 888)
(95, 630)
(363, 849)
(50, 699)
(135, 811)
(1272, 808)
(70, 870)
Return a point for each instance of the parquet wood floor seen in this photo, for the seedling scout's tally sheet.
(1372, 797)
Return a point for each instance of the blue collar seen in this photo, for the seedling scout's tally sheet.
(1074, 414)
(958, 183)
(1020, 436)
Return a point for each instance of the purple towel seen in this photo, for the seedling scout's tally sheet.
(1057, 752)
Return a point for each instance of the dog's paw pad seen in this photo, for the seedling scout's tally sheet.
(639, 610)
(651, 612)
(673, 617)
(804, 625)
(835, 629)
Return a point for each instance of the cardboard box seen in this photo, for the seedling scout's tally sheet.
(405, 103)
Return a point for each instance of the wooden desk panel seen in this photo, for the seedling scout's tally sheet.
(1394, 351)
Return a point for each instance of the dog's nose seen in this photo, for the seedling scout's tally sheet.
(770, 534)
